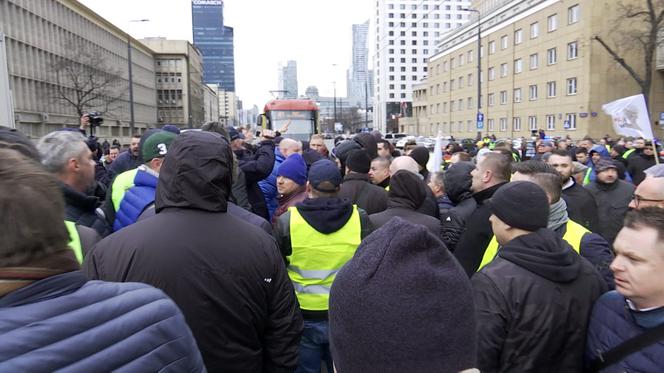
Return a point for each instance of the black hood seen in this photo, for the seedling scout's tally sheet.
(406, 190)
(326, 215)
(197, 173)
(545, 254)
(368, 142)
(457, 180)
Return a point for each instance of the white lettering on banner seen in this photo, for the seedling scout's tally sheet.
(207, 2)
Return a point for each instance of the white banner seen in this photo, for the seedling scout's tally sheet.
(434, 166)
(630, 116)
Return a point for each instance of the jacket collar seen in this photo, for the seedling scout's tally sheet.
(487, 193)
(42, 290)
(78, 199)
(356, 176)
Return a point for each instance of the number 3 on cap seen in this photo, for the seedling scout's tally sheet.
(162, 149)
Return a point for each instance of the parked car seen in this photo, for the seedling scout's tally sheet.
(394, 137)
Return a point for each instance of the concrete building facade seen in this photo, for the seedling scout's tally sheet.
(406, 33)
(41, 35)
(180, 88)
(211, 103)
(228, 108)
(541, 69)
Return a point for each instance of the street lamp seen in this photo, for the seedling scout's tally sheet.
(131, 80)
(479, 67)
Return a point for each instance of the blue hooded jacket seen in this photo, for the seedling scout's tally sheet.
(269, 184)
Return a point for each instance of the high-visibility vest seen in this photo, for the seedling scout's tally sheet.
(573, 235)
(628, 153)
(586, 179)
(74, 240)
(121, 185)
(317, 257)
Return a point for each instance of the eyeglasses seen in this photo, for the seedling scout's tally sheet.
(638, 199)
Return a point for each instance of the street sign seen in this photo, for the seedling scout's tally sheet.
(480, 117)
(661, 119)
(480, 125)
(566, 124)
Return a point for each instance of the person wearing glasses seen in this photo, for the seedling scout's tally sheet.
(650, 193)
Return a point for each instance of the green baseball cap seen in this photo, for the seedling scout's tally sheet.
(156, 145)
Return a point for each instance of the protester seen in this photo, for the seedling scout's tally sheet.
(437, 187)
(402, 304)
(430, 205)
(129, 159)
(613, 197)
(317, 237)
(53, 318)
(406, 195)
(341, 152)
(581, 205)
(67, 156)
(649, 193)
(356, 186)
(317, 143)
(637, 305)
(544, 148)
(384, 149)
(641, 160)
(421, 155)
(368, 143)
(256, 167)
(458, 181)
(113, 153)
(379, 173)
(291, 183)
(488, 176)
(268, 185)
(519, 327)
(581, 156)
(287, 147)
(226, 275)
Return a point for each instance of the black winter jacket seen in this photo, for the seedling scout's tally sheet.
(457, 182)
(638, 163)
(256, 167)
(612, 205)
(81, 209)
(581, 206)
(532, 305)
(359, 191)
(477, 233)
(226, 275)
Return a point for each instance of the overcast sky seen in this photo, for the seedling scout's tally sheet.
(315, 33)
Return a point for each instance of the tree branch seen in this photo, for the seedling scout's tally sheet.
(621, 61)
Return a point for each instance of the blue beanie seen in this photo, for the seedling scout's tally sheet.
(294, 168)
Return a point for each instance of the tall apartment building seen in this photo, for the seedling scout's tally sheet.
(406, 33)
(43, 34)
(179, 75)
(288, 80)
(215, 41)
(358, 88)
(541, 69)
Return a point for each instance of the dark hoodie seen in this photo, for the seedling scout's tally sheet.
(368, 142)
(638, 163)
(421, 155)
(457, 180)
(407, 194)
(213, 264)
(532, 306)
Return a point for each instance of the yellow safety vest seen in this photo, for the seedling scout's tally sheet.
(121, 185)
(628, 153)
(74, 240)
(573, 235)
(317, 257)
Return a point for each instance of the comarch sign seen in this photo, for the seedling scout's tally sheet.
(207, 2)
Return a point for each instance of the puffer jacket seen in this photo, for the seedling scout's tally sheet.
(614, 322)
(70, 324)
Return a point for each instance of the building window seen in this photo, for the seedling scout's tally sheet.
(551, 122)
(492, 73)
(518, 36)
(517, 94)
(451, 85)
(491, 100)
(503, 97)
(469, 105)
(503, 70)
(470, 80)
(550, 89)
(532, 92)
(460, 104)
(492, 47)
(490, 125)
(572, 50)
(452, 63)
(571, 86)
(503, 124)
(551, 56)
(469, 126)
(470, 56)
(461, 57)
(532, 123)
(552, 23)
(516, 124)
(451, 106)
(518, 66)
(573, 14)
(503, 42)
(534, 30)
(460, 82)
(570, 121)
(534, 61)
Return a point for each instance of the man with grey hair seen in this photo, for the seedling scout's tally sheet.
(290, 146)
(66, 155)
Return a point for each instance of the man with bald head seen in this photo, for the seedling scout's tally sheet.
(404, 163)
(289, 146)
(650, 193)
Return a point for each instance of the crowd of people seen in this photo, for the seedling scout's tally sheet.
(212, 250)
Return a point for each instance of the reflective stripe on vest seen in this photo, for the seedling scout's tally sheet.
(317, 257)
(387, 188)
(574, 233)
(586, 179)
(121, 184)
(628, 153)
(74, 240)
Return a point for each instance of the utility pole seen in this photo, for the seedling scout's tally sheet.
(366, 102)
(480, 118)
(335, 102)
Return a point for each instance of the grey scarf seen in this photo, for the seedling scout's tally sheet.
(557, 215)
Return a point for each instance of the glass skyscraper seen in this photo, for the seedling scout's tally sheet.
(215, 41)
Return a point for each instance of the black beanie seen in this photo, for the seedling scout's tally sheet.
(15, 139)
(421, 155)
(402, 303)
(359, 161)
(521, 204)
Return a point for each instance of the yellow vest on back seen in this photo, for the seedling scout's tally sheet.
(573, 236)
(74, 240)
(317, 257)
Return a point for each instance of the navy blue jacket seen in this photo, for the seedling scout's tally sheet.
(256, 167)
(125, 162)
(64, 322)
(613, 322)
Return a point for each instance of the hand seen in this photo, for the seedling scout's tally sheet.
(284, 128)
(268, 134)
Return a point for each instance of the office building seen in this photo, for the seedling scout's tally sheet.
(288, 80)
(358, 86)
(228, 108)
(406, 33)
(541, 69)
(45, 40)
(211, 103)
(180, 88)
(215, 41)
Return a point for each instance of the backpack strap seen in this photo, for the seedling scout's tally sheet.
(627, 348)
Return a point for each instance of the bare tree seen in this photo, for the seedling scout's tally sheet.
(85, 81)
(637, 30)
